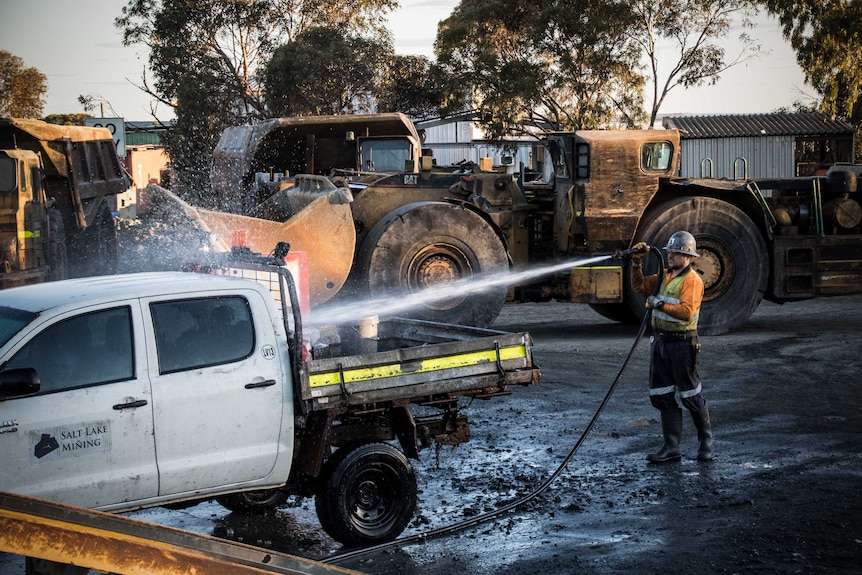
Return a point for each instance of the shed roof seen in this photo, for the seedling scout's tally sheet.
(742, 125)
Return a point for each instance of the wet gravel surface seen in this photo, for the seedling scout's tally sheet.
(782, 496)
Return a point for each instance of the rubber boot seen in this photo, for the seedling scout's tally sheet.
(671, 428)
(704, 433)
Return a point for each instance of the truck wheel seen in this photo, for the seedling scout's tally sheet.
(368, 494)
(429, 245)
(733, 262)
(259, 501)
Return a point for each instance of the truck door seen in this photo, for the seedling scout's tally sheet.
(218, 390)
(86, 438)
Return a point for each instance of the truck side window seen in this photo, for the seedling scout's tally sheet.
(582, 161)
(8, 175)
(201, 332)
(88, 349)
(656, 156)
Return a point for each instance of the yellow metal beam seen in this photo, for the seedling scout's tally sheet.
(115, 544)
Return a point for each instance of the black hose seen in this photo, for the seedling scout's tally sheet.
(419, 537)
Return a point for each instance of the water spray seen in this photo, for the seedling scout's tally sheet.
(396, 303)
(488, 515)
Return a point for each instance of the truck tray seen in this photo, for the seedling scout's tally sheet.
(419, 358)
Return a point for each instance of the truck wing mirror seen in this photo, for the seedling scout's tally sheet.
(18, 381)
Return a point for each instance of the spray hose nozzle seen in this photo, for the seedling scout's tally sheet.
(640, 248)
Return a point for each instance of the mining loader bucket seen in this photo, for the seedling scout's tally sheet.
(311, 214)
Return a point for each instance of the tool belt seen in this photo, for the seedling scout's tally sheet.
(676, 335)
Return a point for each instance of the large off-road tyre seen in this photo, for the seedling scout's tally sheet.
(431, 245)
(260, 501)
(367, 494)
(733, 262)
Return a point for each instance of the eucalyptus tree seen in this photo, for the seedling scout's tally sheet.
(575, 64)
(22, 89)
(324, 71)
(561, 64)
(682, 42)
(827, 38)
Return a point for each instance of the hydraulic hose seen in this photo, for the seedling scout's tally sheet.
(420, 537)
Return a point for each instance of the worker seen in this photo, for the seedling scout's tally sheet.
(674, 345)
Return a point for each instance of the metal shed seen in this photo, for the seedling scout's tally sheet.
(779, 145)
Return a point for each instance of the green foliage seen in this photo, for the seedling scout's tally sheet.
(22, 89)
(578, 64)
(325, 72)
(562, 64)
(411, 85)
(67, 119)
(827, 38)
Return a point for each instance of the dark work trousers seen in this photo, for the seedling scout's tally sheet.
(673, 369)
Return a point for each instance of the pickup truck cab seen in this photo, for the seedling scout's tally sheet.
(148, 388)
(128, 391)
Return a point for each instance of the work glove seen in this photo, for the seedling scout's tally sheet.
(654, 302)
(635, 252)
(639, 250)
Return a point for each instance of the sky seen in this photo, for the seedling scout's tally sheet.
(76, 45)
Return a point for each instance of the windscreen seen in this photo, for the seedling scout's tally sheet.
(11, 322)
(384, 155)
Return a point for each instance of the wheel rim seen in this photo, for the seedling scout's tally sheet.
(715, 266)
(374, 499)
(437, 266)
(261, 497)
(434, 245)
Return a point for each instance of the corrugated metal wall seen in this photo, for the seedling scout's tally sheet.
(764, 157)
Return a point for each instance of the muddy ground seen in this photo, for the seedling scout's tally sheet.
(784, 494)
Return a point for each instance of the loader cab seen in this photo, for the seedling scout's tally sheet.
(603, 180)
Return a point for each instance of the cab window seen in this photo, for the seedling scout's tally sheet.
(656, 156)
(88, 349)
(201, 332)
(384, 155)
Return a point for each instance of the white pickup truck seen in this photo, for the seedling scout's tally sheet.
(121, 392)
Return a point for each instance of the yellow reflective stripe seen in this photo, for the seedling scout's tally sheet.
(27, 234)
(352, 375)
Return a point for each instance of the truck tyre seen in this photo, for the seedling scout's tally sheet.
(259, 501)
(432, 244)
(733, 262)
(367, 495)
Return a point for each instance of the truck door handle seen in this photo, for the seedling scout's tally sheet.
(266, 383)
(130, 404)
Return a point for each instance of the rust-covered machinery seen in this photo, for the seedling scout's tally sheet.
(55, 183)
(601, 191)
